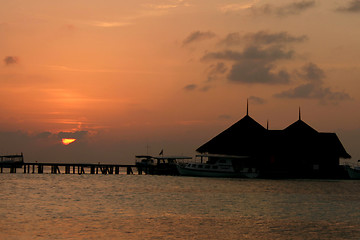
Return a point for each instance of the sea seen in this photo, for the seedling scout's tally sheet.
(72, 206)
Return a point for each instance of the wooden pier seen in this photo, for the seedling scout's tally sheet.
(144, 165)
(71, 168)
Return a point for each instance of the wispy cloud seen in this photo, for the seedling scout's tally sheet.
(235, 7)
(198, 36)
(351, 7)
(169, 4)
(289, 9)
(190, 87)
(261, 37)
(256, 100)
(71, 69)
(252, 53)
(76, 134)
(215, 70)
(313, 88)
(11, 60)
(110, 24)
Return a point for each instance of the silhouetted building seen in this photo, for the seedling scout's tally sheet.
(298, 151)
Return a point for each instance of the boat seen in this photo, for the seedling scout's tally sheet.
(160, 165)
(145, 163)
(353, 170)
(224, 166)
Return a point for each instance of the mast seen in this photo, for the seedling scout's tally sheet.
(247, 107)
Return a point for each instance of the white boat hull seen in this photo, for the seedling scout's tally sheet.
(183, 171)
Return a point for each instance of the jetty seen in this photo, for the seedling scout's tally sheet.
(70, 168)
(15, 163)
(78, 168)
(163, 166)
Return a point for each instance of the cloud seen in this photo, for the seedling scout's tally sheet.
(190, 87)
(232, 39)
(215, 70)
(198, 36)
(312, 73)
(313, 91)
(44, 135)
(294, 8)
(172, 4)
(251, 53)
(110, 24)
(254, 64)
(10, 60)
(235, 7)
(313, 88)
(252, 72)
(76, 134)
(256, 100)
(352, 7)
(262, 37)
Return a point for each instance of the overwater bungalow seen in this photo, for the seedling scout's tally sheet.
(298, 151)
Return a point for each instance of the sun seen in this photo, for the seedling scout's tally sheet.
(67, 141)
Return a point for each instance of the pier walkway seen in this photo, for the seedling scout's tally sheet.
(70, 168)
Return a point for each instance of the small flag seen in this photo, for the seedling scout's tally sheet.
(162, 152)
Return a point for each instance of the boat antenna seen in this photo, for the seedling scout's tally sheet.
(247, 107)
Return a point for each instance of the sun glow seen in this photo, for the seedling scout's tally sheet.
(67, 141)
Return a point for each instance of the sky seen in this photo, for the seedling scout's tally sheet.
(136, 77)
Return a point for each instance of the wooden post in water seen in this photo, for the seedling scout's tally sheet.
(81, 170)
(129, 170)
(139, 168)
(117, 170)
(92, 170)
(40, 168)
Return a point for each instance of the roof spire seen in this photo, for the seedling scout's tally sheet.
(299, 113)
(247, 107)
(267, 124)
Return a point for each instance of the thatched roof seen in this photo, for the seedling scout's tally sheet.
(300, 127)
(248, 138)
(239, 139)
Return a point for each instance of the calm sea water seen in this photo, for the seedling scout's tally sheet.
(48, 206)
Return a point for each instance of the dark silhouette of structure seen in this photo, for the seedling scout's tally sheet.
(298, 151)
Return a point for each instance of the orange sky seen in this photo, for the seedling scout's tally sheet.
(120, 76)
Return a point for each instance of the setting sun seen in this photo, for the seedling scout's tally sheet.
(67, 141)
